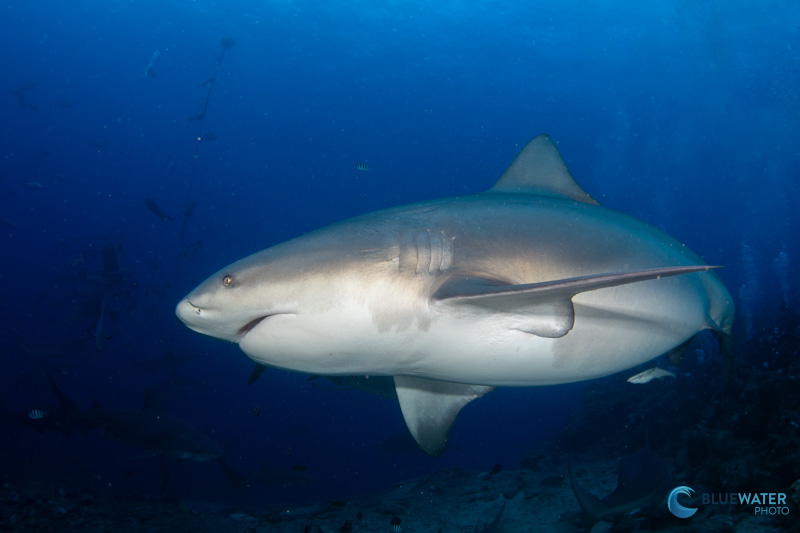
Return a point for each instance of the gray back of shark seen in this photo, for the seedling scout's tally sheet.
(529, 283)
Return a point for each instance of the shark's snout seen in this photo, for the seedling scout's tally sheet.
(216, 319)
(187, 312)
(196, 317)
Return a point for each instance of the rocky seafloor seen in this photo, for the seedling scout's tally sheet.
(446, 501)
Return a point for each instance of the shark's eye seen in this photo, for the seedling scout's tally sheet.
(227, 281)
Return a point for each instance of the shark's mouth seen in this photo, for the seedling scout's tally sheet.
(257, 336)
(250, 326)
(244, 330)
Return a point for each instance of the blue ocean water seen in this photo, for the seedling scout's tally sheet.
(684, 114)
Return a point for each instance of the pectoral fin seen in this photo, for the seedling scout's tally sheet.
(430, 407)
(547, 306)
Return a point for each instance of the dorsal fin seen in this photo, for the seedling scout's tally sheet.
(539, 169)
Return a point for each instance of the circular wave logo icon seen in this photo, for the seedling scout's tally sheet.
(676, 508)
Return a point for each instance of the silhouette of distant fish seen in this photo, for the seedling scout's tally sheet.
(186, 214)
(63, 103)
(157, 211)
(362, 165)
(151, 429)
(644, 481)
(99, 333)
(225, 43)
(20, 94)
(649, 375)
(113, 274)
(148, 70)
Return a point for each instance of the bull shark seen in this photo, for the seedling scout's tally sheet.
(529, 283)
(151, 429)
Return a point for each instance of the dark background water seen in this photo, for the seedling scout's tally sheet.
(685, 114)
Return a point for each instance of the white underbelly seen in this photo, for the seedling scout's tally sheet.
(614, 329)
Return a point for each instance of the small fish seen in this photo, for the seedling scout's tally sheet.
(298, 468)
(649, 375)
(255, 410)
(362, 165)
(395, 523)
(37, 414)
(33, 184)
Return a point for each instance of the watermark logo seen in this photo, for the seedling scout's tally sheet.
(764, 503)
(676, 508)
